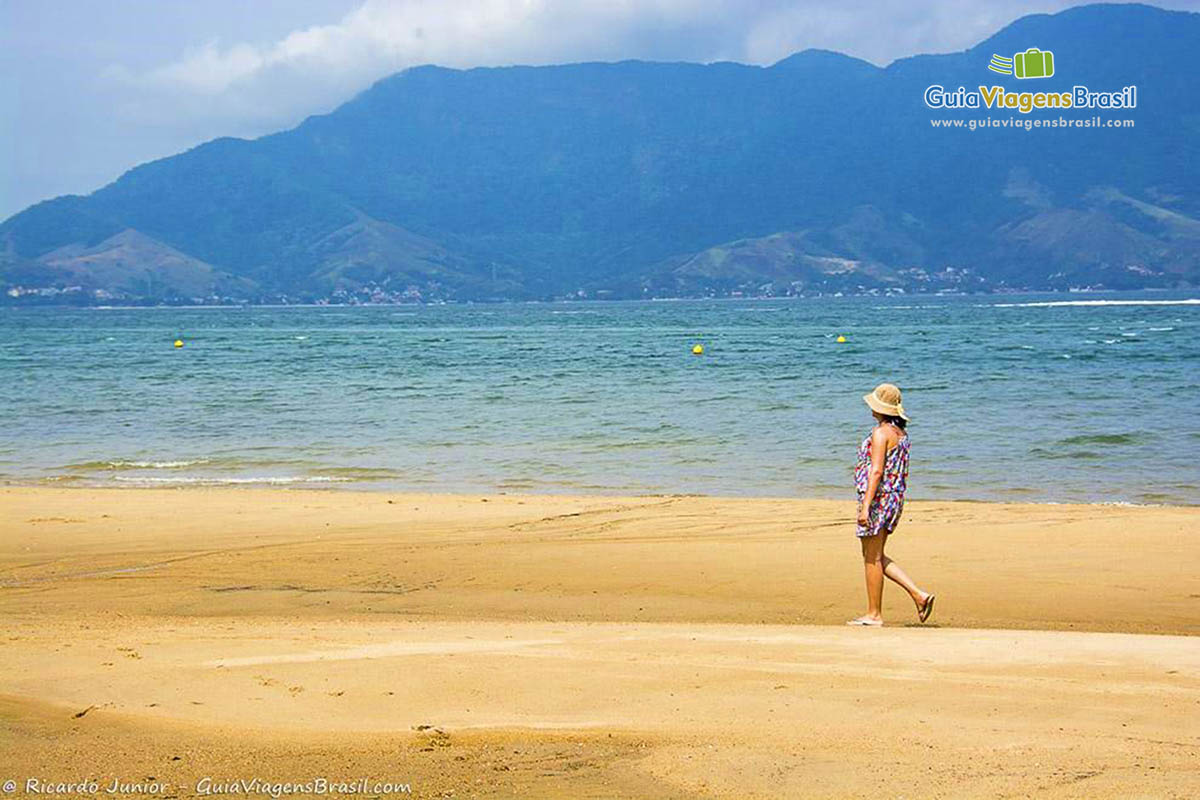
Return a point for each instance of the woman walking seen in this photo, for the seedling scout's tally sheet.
(881, 477)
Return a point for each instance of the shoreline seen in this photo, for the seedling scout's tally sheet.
(356, 486)
(569, 300)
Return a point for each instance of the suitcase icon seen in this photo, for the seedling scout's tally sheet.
(1033, 63)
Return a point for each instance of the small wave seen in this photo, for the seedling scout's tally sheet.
(650, 444)
(1060, 303)
(268, 479)
(1161, 330)
(720, 398)
(122, 464)
(360, 473)
(904, 308)
(1082, 455)
(1103, 438)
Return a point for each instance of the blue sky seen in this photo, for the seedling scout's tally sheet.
(93, 88)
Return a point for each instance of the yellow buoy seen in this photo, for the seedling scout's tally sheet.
(179, 342)
(841, 340)
(698, 350)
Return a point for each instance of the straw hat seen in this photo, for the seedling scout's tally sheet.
(886, 400)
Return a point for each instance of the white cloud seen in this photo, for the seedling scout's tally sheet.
(259, 84)
(245, 88)
(382, 36)
(386, 35)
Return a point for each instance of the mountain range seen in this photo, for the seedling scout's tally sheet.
(819, 173)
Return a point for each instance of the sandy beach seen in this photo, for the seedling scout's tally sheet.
(533, 646)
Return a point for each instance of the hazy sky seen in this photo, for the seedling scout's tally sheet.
(91, 88)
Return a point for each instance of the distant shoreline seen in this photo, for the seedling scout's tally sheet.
(603, 301)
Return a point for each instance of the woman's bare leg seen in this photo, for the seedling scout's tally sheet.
(892, 571)
(872, 550)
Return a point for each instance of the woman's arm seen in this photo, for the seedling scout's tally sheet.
(878, 456)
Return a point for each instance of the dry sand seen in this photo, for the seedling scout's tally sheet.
(507, 646)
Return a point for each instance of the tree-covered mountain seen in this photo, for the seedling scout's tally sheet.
(820, 172)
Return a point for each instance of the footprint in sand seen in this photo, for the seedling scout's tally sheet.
(295, 689)
(129, 652)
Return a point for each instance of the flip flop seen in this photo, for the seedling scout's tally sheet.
(927, 609)
(866, 623)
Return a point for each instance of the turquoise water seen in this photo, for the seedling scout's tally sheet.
(1012, 398)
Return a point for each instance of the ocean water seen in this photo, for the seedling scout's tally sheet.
(1031, 398)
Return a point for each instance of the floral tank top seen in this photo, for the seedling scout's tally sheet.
(895, 469)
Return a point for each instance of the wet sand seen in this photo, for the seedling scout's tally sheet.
(501, 646)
